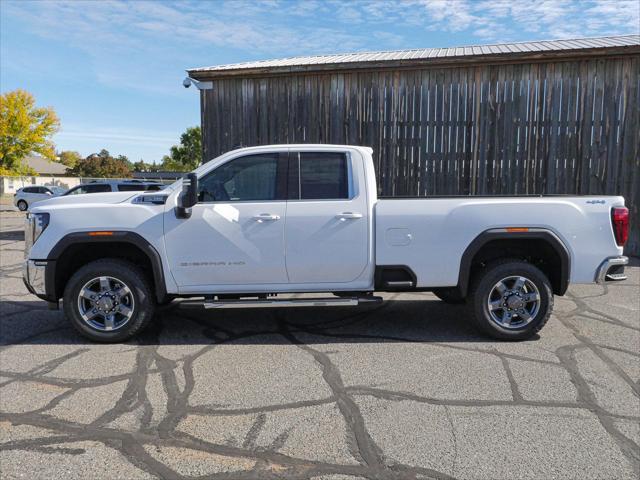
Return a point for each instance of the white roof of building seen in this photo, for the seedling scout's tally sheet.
(44, 166)
(420, 54)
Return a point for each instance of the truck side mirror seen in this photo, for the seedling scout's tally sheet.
(188, 197)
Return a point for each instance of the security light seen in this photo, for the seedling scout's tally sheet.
(188, 81)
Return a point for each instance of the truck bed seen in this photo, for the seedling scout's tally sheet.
(432, 233)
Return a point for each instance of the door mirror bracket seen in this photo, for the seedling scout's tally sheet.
(188, 197)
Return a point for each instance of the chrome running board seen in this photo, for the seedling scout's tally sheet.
(282, 303)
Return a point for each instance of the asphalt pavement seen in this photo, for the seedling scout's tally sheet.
(406, 389)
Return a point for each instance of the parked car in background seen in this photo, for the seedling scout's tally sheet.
(115, 186)
(27, 196)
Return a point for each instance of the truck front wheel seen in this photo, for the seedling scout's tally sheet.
(109, 300)
(511, 300)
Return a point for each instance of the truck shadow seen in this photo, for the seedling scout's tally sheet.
(411, 320)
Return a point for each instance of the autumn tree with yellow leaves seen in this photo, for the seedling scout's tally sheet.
(24, 129)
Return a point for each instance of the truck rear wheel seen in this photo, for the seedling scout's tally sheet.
(511, 300)
(109, 300)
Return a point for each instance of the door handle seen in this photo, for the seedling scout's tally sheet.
(266, 217)
(348, 215)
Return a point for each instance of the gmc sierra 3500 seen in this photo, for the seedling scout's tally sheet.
(262, 221)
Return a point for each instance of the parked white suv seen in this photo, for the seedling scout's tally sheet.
(115, 186)
(259, 222)
(27, 196)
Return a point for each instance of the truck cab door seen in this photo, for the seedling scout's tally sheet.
(327, 228)
(235, 235)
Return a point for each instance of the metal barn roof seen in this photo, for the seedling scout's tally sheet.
(419, 55)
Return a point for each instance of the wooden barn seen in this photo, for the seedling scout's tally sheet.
(544, 117)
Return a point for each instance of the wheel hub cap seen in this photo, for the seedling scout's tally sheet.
(513, 302)
(106, 303)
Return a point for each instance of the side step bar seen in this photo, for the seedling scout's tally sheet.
(398, 284)
(283, 303)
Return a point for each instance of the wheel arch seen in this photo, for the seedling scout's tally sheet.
(536, 243)
(78, 246)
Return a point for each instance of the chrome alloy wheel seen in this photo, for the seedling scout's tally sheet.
(105, 303)
(513, 302)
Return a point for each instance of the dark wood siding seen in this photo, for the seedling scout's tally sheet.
(566, 127)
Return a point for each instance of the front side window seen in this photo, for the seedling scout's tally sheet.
(250, 178)
(322, 176)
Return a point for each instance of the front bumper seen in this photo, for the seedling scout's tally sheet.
(612, 270)
(34, 277)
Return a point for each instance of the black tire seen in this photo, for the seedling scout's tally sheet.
(483, 285)
(22, 205)
(451, 296)
(139, 288)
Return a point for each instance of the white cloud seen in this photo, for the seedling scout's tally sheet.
(131, 136)
(126, 40)
(542, 19)
(493, 20)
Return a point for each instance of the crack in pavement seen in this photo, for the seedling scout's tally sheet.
(252, 441)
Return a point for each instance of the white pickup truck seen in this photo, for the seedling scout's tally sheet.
(255, 224)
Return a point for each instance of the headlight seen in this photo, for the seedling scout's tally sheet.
(36, 223)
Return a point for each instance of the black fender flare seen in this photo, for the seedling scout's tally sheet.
(504, 234)
(106, 237)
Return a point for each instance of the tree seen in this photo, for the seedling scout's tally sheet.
(24, 129)
(124, 159)
(142, 166)
(102, 165)
(187, 155)
(69, 158)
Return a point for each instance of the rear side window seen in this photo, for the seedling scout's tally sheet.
(322, 176)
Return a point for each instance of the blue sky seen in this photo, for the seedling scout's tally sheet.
(113, 70)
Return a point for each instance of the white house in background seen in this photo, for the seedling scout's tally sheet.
(52, 174)
(49, 174)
